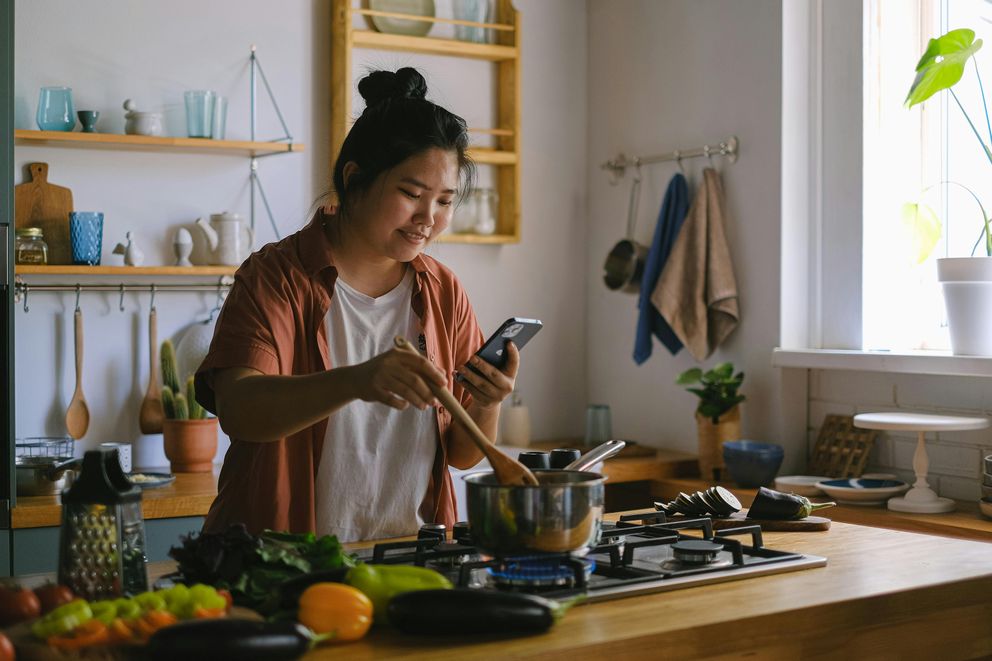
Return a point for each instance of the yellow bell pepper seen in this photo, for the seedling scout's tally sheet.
(336, 609)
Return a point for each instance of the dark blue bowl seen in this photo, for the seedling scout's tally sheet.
(752, 464)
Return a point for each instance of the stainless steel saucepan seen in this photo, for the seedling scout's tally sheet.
(42, 476)
(561, 514)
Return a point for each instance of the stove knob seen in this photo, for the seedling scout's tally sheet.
(460, 533)
(535, 459)
(561, 457)
(432, 531)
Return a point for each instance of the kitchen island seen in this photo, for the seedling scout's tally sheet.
(883, 594)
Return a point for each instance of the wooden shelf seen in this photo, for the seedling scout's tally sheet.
(492, 156)
(429, 46)
(71, 269)
(484, 239)
(151, 143)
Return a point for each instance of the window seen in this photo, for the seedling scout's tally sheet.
(926, 154)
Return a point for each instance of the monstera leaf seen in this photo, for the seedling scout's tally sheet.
(942, 65)
(924, 228)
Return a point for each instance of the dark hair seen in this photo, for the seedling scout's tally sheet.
(398, 122)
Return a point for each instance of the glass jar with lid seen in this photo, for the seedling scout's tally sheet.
(30, 246)
(486, 210)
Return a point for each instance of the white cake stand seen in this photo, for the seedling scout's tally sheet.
(921, 498)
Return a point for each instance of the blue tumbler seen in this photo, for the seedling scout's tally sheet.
(55, 110)
(86, 236)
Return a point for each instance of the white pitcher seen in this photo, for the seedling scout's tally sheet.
(228, 237)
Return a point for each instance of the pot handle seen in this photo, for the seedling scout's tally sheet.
(596, 455)
(635, 188)
(55, 472)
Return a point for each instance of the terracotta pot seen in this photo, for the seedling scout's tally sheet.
(190, 445)
(711, 437)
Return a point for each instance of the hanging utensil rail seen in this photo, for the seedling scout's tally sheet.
(728, 148)
(22, 289)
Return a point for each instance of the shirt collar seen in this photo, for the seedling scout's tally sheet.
(316, 254)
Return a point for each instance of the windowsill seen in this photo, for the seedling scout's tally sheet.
(908, 362)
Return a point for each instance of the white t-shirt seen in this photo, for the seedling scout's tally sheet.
(376, 461)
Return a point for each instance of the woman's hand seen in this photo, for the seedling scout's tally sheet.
(397, 379)
(490, 389)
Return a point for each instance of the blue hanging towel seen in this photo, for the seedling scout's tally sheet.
(673, 212)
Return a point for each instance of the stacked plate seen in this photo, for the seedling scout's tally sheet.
(715, 501)
(862, 491)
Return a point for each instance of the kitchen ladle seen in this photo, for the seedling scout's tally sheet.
(151, 415)
(77, 416)
(508, 470)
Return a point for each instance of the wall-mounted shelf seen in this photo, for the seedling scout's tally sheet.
(152, 143)
(506, 58)
(70, 269)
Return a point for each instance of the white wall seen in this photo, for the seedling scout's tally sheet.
(152, 52)
(674, 74)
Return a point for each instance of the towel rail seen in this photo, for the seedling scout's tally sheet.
(728, 148)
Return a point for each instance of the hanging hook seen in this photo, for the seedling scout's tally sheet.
(637, 169)
(121, 304)
(678, 161)
(219, 303)
(708, 153)
(79, 289)
(25, 289)
(151, 305)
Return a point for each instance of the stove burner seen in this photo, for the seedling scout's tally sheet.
(540, 572)
(695, 551)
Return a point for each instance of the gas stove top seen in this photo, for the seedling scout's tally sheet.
(642, 552)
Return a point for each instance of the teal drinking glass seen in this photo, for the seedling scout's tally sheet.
(199, 113)
(55, 111)
(86, 236)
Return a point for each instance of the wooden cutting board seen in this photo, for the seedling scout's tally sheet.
(38, 203)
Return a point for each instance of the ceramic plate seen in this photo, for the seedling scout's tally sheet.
(803, 485)
(399, 25)
(862, 491)
(151, 480)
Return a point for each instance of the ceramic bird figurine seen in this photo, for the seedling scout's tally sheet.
(133, 256)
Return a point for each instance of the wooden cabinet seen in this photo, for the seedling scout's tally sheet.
(505, 57)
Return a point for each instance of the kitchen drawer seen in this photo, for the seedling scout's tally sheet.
(36, 550)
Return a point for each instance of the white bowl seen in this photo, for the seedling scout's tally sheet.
(803, 485)
(862, 491)
(986, 507)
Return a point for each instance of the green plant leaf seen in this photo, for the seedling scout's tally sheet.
(723, 371)
(691, 375)
(942, 64)
(924, 228)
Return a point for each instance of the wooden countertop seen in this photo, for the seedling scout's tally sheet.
(190, 495)
(966, 522)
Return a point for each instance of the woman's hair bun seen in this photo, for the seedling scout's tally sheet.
(405, 83)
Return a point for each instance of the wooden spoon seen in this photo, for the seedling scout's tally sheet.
(77, 416)
(151, 415)
(508, 470)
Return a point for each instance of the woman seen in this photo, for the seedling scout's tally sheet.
(332, 429)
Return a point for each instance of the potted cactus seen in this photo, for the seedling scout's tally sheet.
(190, 436)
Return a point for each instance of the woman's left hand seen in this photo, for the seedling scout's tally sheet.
(490, 389)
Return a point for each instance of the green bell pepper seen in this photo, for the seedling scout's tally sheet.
(380, 583)
(105, 611)
(63, 619)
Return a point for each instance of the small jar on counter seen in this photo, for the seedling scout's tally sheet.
(30, 246)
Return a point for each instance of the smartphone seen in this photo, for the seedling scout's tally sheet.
(519, 330)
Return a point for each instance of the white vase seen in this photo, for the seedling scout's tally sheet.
(967, 287)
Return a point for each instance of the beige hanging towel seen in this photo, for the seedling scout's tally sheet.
(697, 292)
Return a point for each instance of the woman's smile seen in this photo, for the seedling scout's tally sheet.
(414, 237)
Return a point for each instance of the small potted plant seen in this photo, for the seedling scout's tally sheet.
(190, 436)
(965, 281)
(718, 416)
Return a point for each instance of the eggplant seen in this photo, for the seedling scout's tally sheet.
(772, 505)
(468, 611)
(229, 638)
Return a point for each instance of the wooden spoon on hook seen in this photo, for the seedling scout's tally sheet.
(508, 470)
(77, 416)
(151, 415)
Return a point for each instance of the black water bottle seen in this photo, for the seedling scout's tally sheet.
(535, 459)
(561, 457)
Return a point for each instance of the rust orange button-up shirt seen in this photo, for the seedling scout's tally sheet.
(273, 322)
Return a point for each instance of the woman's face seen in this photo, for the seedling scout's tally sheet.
(406, 207)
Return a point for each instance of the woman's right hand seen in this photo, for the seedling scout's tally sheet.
(397, 379)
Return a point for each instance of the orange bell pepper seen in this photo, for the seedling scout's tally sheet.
(201, 613)
(120, 632)
(341, 611)
(91, 632)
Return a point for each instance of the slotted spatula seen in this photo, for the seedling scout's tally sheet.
(508, 471)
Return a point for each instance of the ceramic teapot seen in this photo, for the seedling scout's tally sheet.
(228, 238)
